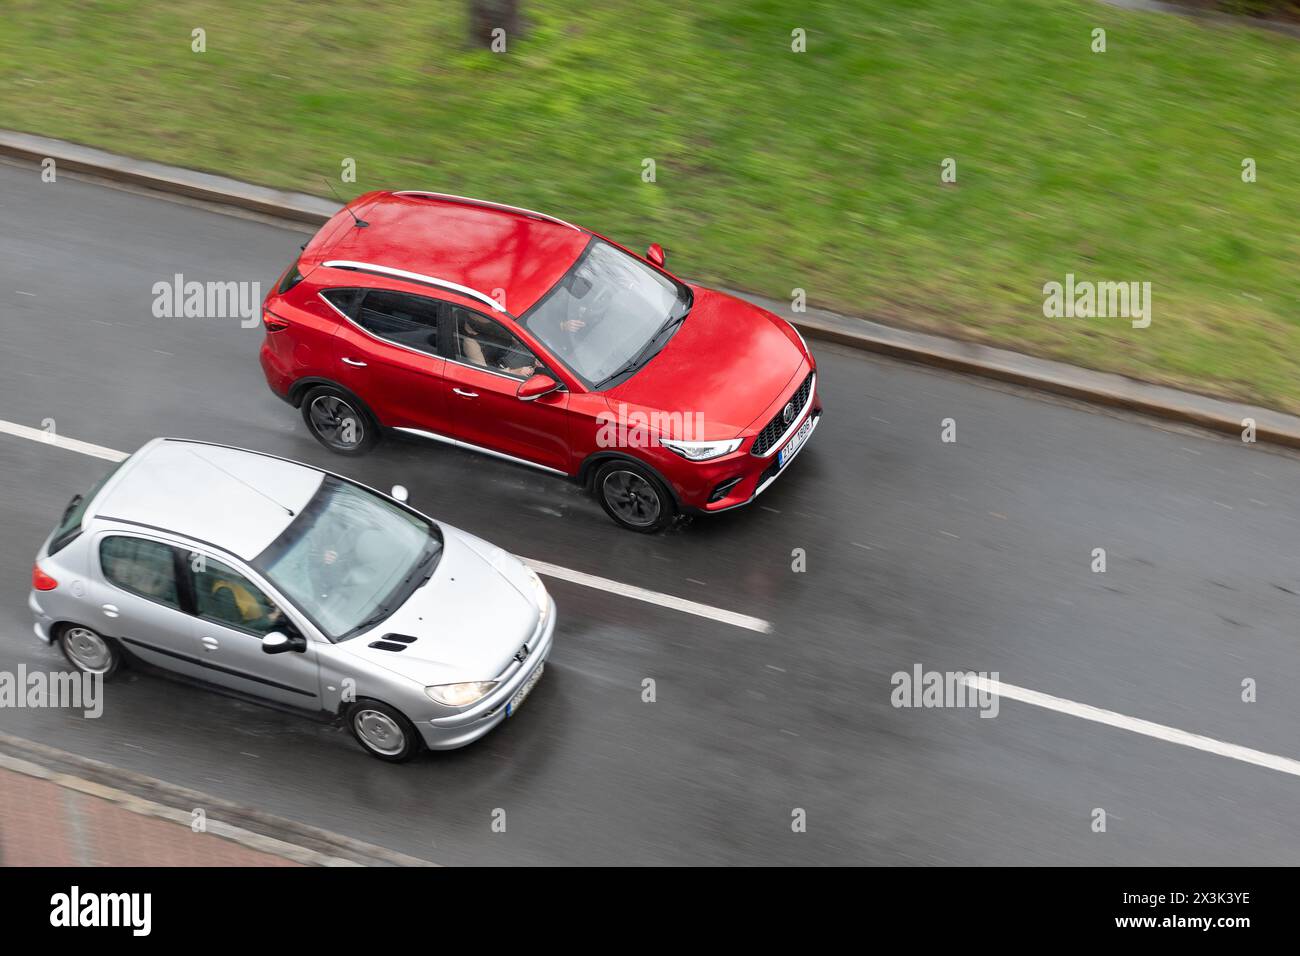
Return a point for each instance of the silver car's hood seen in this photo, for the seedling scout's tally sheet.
(468, 620)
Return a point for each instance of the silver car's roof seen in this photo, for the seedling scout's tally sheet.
(238, 500)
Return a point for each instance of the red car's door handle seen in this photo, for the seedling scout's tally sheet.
(465, 394)
(348, 361)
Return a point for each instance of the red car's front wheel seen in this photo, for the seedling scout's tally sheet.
(634, 497)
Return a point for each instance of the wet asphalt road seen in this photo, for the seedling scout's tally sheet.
(973, 555)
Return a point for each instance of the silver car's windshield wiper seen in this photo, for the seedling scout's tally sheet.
(384, 610)
(375, 619)
(76, 500)
(425, 559)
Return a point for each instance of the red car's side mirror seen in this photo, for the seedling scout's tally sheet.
(656, 254)
(536, 387)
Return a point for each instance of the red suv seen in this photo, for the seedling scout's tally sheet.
(525, 337)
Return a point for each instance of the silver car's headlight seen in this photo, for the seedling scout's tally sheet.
(458, 695)
(702, 450)
(539, 593)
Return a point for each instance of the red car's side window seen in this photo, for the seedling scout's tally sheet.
(484, 343)
(408, 320)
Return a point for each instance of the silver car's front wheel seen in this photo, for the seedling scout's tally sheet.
(89, 652)
(383, 731)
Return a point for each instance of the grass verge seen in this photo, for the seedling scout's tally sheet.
(775, 170)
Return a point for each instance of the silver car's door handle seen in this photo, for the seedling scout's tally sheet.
(210, 644)
(354, 362)
(465, 394)
(110, 610)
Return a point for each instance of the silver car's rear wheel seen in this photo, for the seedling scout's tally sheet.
(87, 651)
(383, 731)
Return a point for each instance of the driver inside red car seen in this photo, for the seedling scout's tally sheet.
(484, 345)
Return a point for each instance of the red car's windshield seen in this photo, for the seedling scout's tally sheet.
(605, 312)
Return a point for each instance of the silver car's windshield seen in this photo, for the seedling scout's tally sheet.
(350, 558)
(605, 312)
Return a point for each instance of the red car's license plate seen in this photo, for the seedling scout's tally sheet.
(795, 443)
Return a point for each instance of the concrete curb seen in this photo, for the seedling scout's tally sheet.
(1217, 17)
(1058, 378)
(140, 794)
(1043, 375)
(297, 207)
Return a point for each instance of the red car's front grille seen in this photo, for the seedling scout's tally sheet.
(774, 429)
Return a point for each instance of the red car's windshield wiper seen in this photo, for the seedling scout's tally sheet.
(652, 348)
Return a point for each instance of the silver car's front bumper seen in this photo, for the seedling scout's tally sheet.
(448, 733)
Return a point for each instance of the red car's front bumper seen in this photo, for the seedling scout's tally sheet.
(738, 478)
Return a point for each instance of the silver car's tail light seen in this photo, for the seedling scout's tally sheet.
(42, 581)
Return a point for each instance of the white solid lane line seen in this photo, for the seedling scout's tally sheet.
(541, 567)
(651, 597)
(71, 444)
(1136, 725)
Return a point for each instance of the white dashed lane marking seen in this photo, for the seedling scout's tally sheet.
(1135, 725)
(651, 597)
(71, 444)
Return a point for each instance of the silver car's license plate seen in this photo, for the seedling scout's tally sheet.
(523, 692)
(795, 443)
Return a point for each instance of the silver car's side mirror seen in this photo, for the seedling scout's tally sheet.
(399, 493)
(278, 642)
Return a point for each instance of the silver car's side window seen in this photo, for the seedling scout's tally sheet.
(224, 595)
(141, 566)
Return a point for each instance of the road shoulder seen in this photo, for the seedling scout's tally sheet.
(1265, 426)
(69, 810)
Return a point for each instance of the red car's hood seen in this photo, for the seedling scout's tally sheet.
(723, 368)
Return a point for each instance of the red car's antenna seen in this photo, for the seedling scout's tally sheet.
(361, 223)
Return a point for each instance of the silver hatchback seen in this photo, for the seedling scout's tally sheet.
(295, 585)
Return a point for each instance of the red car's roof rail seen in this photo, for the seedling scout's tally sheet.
(379, 270)
(470, 201)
